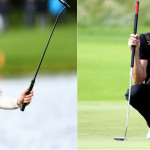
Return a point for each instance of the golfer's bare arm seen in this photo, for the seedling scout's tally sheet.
(139, 70)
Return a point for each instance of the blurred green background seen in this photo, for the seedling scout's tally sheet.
(111, 13)
(104, 27)
(23, 45)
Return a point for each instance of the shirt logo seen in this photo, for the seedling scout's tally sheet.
(148, 40)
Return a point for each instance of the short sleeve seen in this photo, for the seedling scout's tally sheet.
(143, 48)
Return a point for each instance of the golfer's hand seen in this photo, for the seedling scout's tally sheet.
(134, 40)
(24, 98)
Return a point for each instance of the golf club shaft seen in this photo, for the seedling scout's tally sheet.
(132, 65)
(128, 108)
(48, 43)
(33, 81)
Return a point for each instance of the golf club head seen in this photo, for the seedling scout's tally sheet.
(120, 139)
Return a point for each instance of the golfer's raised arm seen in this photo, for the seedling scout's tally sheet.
(14, 103)
(139, 70)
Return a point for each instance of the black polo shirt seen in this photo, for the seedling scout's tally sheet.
(145, 50)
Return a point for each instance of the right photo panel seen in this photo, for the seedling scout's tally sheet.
(113, 74)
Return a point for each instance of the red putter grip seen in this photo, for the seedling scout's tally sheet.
(137, 8)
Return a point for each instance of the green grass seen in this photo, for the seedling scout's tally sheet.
(23, 49)
(103, 62)
(100, 122)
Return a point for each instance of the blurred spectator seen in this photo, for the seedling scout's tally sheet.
(42, 8)
(4, 7)
(30, 10)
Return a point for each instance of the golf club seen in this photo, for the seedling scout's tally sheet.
(64, 3)
(131, 73)
(33, 80)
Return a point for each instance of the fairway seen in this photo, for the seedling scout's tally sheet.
(100, 121)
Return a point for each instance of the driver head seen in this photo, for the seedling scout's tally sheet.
(120, 139)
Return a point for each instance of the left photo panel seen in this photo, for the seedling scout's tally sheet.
(38, 74)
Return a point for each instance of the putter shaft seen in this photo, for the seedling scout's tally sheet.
(129, 97)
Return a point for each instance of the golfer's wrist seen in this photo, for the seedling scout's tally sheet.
(18, 103)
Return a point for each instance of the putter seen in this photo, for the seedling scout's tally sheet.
(131, 73)
(33, 80)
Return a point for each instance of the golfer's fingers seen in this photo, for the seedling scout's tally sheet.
(27, 103)
(27, 100)
(134, 35)
(24, 92)
(133, 40)
(30, 95)
(131, 43)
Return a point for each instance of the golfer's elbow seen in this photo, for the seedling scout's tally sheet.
(140, 80)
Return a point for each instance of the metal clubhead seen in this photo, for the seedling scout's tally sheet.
(120, 139)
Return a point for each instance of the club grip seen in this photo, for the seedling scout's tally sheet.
(132, 57)
(135, 32)
(137, 8)
(29, 90)
(136, 17)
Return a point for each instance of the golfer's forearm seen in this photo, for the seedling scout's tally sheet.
(138, 73)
